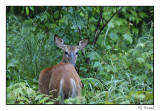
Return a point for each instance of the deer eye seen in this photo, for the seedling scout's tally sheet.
(66, 53)
(76, 53)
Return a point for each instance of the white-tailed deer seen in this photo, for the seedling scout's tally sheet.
(62, 79)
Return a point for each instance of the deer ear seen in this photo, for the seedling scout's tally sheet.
(59, 42)
(83, 43)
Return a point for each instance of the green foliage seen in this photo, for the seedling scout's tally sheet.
(77, 100)
(128, 38)
(21, 93)
(91, 83)
(120, 69)
(142, 97)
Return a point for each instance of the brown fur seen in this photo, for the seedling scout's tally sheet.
(62, 79)
(49, 79)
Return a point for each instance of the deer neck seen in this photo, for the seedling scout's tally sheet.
(64, 59)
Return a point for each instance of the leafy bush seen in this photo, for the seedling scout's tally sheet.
(21, 93)
(116, 67)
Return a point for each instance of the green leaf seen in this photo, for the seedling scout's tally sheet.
(137, 20)
(109, 47)
(92, 19)
(149, 66)
(113, 36)
(111, 24)
(91, 82)
(21, 102)
(50, 102)
(56, 14)
(135, 30)
(125, 102)
(32, 8)
(94, 56)
(27, 10)
(12, 63)
(107, 102)
(143, 14)
(108, 68)
(11, 98)
(140, 45)
(128, 37)
(141, 96)
(79, 25)
(44, 99)
(97, 64)
(71, 10)
(39, 96)
(140, 60)
(22, 98)
(144, 95)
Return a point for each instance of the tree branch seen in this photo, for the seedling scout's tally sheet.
(110, 19)
(98, 32)
(97, 28)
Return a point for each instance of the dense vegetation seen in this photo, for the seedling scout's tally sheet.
(115, 68)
